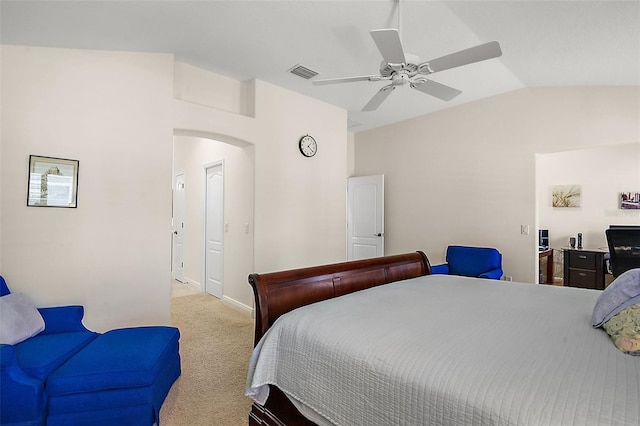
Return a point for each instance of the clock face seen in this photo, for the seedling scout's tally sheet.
(308, 146)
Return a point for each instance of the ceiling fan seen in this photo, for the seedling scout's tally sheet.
(400, 68)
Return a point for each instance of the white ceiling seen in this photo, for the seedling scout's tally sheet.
(544, 43)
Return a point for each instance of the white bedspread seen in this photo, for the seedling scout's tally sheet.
(444, 350)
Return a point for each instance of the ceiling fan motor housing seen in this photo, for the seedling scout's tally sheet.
(410, 68)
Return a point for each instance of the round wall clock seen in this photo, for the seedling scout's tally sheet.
(308, 146)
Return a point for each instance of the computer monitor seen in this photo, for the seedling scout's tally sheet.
(543, 239)
(624, 248)
(624, 226)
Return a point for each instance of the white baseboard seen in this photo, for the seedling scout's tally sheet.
(193, 284)
(225, 299)
(237, 305)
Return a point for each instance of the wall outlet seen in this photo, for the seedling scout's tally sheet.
(508, 278)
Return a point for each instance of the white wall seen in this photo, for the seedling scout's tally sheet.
(351, 155)
(111, 112)
(603, 173)
(190, 156)
(300, 203)
(463, 175)
(116, 113)
(202, 87)
(467, 174)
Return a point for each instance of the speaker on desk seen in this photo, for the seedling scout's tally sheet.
(543, 239)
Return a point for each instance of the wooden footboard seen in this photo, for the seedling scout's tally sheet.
(277, 293)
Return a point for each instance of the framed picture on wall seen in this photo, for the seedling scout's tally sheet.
(53, 182)
(566, 196)
(630, 200)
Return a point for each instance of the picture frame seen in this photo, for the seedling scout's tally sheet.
(52, 182)
(630, 200)
(566, 195)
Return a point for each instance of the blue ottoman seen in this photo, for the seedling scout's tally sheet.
(120, 378)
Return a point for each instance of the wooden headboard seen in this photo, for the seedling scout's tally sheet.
(277, 293)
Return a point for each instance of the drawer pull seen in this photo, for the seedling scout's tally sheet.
(582, 256)
(582, 274)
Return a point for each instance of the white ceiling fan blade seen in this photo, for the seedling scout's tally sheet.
(438, 90)
(348, 79)
(389, 45)
(463, 57)
(378, 98)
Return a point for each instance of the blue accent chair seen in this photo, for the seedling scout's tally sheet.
(69, 375)
(479, 262)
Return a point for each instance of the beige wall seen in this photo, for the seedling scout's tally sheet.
(466, 174)
(202, 87)
(117, 114)
(463, 175)
(300, 203)
(601, 187)
(111, 112)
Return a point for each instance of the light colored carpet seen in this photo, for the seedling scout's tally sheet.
(215, 346)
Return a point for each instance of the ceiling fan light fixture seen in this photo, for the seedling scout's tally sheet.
(400, 79)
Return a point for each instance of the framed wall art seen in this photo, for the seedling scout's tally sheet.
(53, 182)
(566, 196)
(630, 200)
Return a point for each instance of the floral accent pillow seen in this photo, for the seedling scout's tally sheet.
(624, 329)
(622, 292)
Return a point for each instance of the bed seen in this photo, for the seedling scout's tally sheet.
(383, 342)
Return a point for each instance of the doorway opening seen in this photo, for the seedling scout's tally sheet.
(196, 158)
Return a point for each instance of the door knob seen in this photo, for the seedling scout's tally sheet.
(175, 232)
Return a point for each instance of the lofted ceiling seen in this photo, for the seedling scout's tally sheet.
(544, 43)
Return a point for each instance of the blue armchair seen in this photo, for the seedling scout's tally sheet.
(67, 374)
(479, 262)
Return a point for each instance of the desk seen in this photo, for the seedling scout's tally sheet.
(584, 268)
(548, 253)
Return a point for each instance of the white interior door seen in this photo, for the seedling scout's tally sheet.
(365, 217)
(178, 228)
(214, 230)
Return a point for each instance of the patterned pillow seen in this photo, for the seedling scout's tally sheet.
(624, 329)
(622, 292)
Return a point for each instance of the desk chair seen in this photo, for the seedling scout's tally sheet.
(624, 249)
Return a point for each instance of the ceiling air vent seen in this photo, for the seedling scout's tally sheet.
(302, 71)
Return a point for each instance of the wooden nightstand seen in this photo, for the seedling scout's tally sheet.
(584, 268)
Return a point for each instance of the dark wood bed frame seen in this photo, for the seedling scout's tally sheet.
(277, 293)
